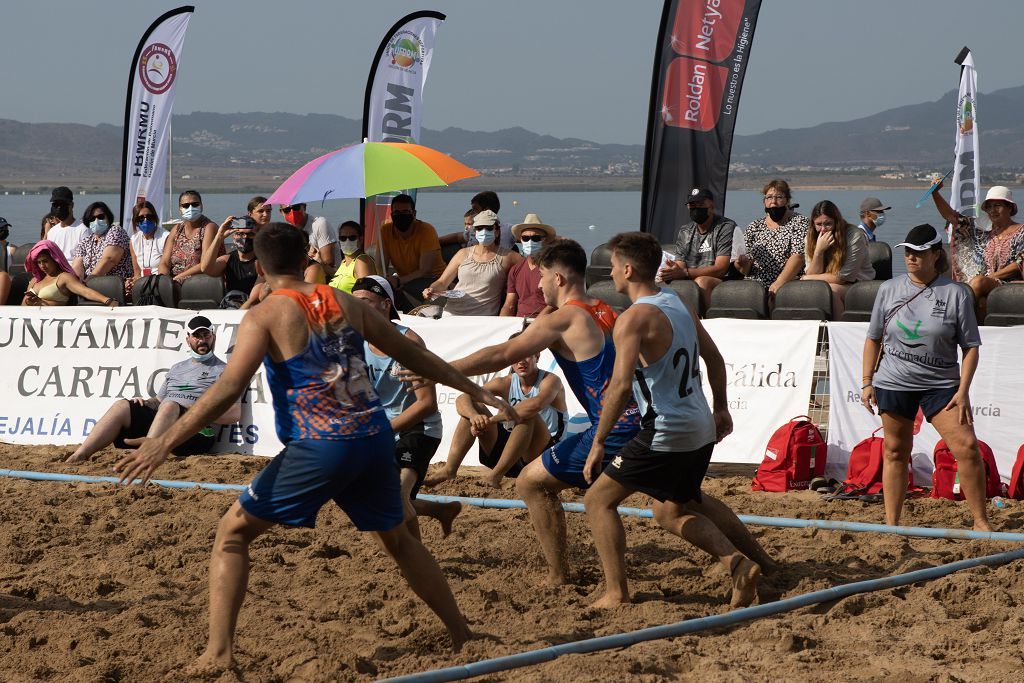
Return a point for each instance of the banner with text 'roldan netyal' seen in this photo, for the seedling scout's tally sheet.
(148, 108)
(703, 50)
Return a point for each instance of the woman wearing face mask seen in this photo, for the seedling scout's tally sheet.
(775, 242)
(105, 250)
(53, 280)
(237, 266)
(355, 263)
(836, 252)
(147, 241)
(183, 252)
(482, 270)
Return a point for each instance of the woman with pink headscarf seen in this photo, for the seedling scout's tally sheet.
(53, 280)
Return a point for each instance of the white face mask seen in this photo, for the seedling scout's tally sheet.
(191, 212)
(349, 247)
(485, 237)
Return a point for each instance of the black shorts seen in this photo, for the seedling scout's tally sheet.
(413, 451)
(142, 418)
(490, 458)
(662, 475)
(905, 403)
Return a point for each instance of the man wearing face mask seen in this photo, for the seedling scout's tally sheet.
(184, 383)
(412, 252)
(703, 246)
(872, 216)
(239, 266)
(69, 232)
(323, 243)
(523, 297)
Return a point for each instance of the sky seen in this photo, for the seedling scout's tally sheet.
(569, 68)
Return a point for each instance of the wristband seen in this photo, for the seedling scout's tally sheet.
(865, 386)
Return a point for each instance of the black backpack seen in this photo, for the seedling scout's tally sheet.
(154, 290)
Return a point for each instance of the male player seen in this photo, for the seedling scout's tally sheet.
(658, 345)
(338, 443)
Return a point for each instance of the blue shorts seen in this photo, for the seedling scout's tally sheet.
(360, 475)
(905, 403)
(565, 460)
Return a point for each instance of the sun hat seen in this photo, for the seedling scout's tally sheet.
(485, 217)
(1001, 194)
(375, 284)
(921, 238)
(533, 222)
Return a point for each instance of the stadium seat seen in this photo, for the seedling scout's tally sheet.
(201, 292)
(448, 251)
(165, 286)
(689, 292)
(880, 254)
(17, 264)
(803, 300)
(605, 291)
(107, 285)
(600, 267)
(739, 299)
(860, 299)
(19, 284)
(1006, 305)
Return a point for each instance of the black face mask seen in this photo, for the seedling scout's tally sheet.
(4, 232)
(699, 214)
(776, 212)
(402, 221)
(61, 211)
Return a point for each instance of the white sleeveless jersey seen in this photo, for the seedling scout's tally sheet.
(553, 418)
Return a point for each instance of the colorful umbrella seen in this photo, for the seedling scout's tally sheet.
(367, 169)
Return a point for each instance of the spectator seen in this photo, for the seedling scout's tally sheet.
(184, 383)
(147, 242)
(464, 238)
(53, 281)
(105, 251)
(522, 294)
(183, 251)
(412, 252)
(47, 222)
(238, 267)
(775, 242)
(482, 270)
(836, 253)
(505, 448)
(323, 244)
(985, 259)
(6, 254)
(703, 246)
(355, 263)
(66, 233)
(872, 216)
(259, 210)
(313, 274)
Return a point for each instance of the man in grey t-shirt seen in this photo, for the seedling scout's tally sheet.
(703, 247)
(184, 383)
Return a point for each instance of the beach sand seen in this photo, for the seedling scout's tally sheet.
(103, 584)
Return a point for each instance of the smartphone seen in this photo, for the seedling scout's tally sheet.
(240, 223)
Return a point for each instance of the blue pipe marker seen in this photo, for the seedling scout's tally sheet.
(81, 478)
(547, 654)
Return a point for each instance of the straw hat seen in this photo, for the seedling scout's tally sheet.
(533, 221)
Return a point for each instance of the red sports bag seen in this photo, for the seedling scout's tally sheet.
(864, 471)
(946, 482)
(795, 455)
(1016, 490)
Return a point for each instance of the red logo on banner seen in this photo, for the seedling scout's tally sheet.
(707, 28)
(157, 68)
(693, 94)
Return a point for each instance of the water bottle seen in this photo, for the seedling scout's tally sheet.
(999, 502)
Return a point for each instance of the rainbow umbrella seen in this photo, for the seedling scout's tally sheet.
(369, 168)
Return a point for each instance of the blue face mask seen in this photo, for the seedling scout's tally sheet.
(191, 212)
(879, 219)
(147, 227)
(485, 237)
(99, 227)
(201, 356)
(529, 248)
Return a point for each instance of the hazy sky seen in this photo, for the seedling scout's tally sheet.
(565, 67)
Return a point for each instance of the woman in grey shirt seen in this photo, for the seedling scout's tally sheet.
(836, 253)
(918, 323)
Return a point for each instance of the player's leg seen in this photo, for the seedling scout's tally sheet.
(166, 415)
(516, 448)
(116, 420)
(462, 441)
(723, 517)
(601, 503)
(445, 513)
(539, 489)
(407, 476)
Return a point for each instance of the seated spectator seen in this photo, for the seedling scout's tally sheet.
(872, 216)
(836, 253)
(105, 250)
(506, 447)
(184, 383)
(323, 243)
(775, 242)
(703, 246)
(985, 259)
(412, 253)
(6, 254)
(183, 251)
(259, 211)
(238, 267)
(146, 246)
(355, 263)
(522, 293)
(313, 274)
(48, 221)
(481, 201)
(67, 232)
(53, 280)
(482, 270)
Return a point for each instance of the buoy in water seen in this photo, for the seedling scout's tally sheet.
(591, 227)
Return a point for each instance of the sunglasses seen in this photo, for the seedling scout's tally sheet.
(485, 228)
(99, 217)
(532, 238)
(350, 238)
(147, 216)
(194, 205)
(289, 209)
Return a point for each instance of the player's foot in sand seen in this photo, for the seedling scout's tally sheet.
(982, 526)
(611, 600)
(494, 481)
(745, 575)
(208, 667)
(74, 457)
(555, 579)
(438, 476)
(448, 514)
(461, 637)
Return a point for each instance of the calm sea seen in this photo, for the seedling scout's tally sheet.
(589, 217)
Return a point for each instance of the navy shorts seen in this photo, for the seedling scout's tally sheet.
(414, 451)
(662, 475)
(905, 403)
(359, 475)
(565, 460)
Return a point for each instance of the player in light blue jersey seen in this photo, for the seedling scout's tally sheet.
(659, 344)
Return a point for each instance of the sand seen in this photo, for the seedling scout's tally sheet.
(103, 584)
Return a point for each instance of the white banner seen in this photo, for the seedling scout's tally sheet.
(996, 409)
(147, 118)
(966, 163)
